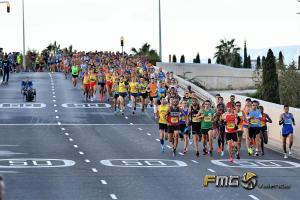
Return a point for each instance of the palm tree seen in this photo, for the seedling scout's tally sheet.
(145, 51)
(227, 53)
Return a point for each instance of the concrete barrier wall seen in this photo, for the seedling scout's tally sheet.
(274, 111)
(213, 76)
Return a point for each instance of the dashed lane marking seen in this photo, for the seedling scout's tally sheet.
(103, 182)
(94, 170)
(194, 161)
(58, 123)
(54, 100)
(113, 196)
(54, 105)
(63, 129)
(71, 139)
(149, 134)
(180, 153)
(140, 129)
(80, 152)
(66, 134)
(169, 147)
(87, 161)
(75, 146)
(57, 117)
(253, 197)
(157, 140)
(211, 170)
(126, 117)
(131, 124)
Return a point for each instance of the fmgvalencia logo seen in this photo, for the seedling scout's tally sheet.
(249, 181)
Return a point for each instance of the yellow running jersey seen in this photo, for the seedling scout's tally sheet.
(163, 111)
(133, 87)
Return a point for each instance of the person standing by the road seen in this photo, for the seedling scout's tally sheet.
(287, 121)
(5, 67)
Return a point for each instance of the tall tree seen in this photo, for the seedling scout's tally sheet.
(270, 90)
(263, 61)
(249, 65)
(182, 59)
(174, 59)
(245, 64)
(197, 59)
(280, 64)
(298, 62)
(258, 63)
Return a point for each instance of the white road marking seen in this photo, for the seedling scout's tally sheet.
(80, 152)
(58, 123)
(55, 110)
(131, 124)
(140, 129)
(53, 89)
(94, 170)
(126, 117)
(75, 146)
(103, 182)
(113, 196)
(149, 134)
(54, 96)
(63, 129)
(66, 134)
(180, 153)
(86, 105)
(169, 147)
(54, 105)
(53, 92)
(87, 161)
(211, 170)
(253, 197)
(57, 117)
(71, 139)
(157, 140)
(194, 161)
(143, 163)
(54, 100)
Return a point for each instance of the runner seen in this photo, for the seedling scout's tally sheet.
(264, 128)
(207, 116)
(173, 116)
(101, 84)
(246, 111)
(109, 82)
(287, 121)
(231, 122)
(221, 125)
(195, 123)
(86, 85)
(75, 71)
(134, 89)
(115, 92)
(184, 131)
(241, 117)
(254, 118)
(162, 122)
(93, 83)
(143, 92)
(152, 88)
(123, 89)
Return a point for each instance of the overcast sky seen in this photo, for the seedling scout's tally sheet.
(188, 26)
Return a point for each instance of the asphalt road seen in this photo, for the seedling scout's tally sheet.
(61, 148)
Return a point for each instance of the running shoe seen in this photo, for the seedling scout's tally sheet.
(211, 153)
(285, 156)
(219, 150)
(162, 148)
(290, 152)
(231, 159)
(238, 156)
(205, 151)
(185, 151)
(222, 153)
(197, 153)
(256, 154)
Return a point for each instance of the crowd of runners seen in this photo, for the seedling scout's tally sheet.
(120, 78)
(182, 117)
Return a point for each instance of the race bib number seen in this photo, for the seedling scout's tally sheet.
(254, 121)
(230, 125)
(174, 120)
(207, 118)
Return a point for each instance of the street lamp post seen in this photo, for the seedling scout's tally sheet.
(160, 48)
(122, 44)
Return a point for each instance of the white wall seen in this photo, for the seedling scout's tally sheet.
(213, 76)
(274, 111)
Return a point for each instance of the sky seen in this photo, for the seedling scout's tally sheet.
(188, 26)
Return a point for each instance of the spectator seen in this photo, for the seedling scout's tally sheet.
(2, 188)
(5, 67)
